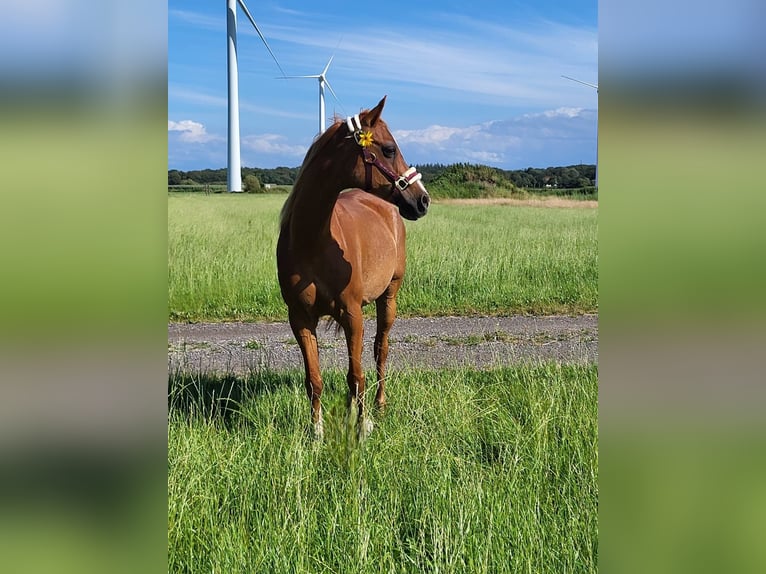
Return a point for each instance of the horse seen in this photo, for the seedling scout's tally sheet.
(342, 245)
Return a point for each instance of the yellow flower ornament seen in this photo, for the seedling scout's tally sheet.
(365, 139)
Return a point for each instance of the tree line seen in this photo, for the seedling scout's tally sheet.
(274, 176)
(568, 177)
(454, 180)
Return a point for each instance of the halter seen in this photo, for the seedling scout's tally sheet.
(399, 182)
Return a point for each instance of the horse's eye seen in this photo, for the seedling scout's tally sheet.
(389, 150)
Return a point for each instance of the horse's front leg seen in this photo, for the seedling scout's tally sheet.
(304, 329)
(385, 308)
(353, 326)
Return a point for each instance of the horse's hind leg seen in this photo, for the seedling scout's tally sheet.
(304, 329)
(353, 326)
(385, 307)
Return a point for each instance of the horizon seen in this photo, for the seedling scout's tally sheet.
(414, 164)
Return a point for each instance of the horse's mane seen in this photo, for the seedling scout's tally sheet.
(316, 147)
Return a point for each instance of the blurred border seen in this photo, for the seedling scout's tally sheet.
(681, 244)
(83, 313)
(83, 317)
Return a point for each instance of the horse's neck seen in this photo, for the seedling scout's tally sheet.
(317, 190)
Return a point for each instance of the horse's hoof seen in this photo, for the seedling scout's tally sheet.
(365, 428)
(319, 431)
(317, 428)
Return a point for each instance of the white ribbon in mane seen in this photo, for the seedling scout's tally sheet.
(351, 120)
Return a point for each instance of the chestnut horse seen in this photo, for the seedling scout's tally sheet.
(341, 248)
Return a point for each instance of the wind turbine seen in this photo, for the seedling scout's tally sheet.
(596, 88)
(234, 175)
(322, 77)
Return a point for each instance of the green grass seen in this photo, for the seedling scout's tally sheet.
(461, 259)
(468, 471)
(579, 194)
(501, 259)
(221, 257)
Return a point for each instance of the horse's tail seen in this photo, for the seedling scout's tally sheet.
(330, 323)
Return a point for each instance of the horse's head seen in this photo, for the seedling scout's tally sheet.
(381, 166)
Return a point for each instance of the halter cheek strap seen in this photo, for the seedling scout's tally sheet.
(401, 182)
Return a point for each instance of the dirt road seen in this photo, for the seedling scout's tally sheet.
(417, 342)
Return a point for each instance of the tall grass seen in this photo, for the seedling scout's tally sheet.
(461, 259)
(498, 259)
(221, 257)
(468, 471)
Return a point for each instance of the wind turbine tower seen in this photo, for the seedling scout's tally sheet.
(234, 165)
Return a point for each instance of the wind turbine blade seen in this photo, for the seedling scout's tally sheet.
(334, 95)
(327, 67)
(580, 82)
(291, 77)
(257, 29)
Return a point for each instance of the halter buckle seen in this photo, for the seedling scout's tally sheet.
(408, 177)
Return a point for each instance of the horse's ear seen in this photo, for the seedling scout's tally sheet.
(373, 115)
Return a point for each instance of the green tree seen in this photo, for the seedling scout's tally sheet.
(174, 177)
(251, 184)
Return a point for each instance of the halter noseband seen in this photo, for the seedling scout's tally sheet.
(399, 182)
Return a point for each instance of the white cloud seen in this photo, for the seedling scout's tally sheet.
(273, 144)
(560, 112)
(484, 157)
(552, 137)
(435, 135)
(191, 131)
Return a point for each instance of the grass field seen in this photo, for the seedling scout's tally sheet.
(468, 471)
(461, 259)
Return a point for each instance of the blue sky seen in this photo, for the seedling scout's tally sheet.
(478, 83)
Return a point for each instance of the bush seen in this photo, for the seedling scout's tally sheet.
(471, 181)
(251, 184)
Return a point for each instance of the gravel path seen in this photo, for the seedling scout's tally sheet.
(418, 342)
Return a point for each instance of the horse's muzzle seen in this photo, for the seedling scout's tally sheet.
(413, 208)
(422, 203)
